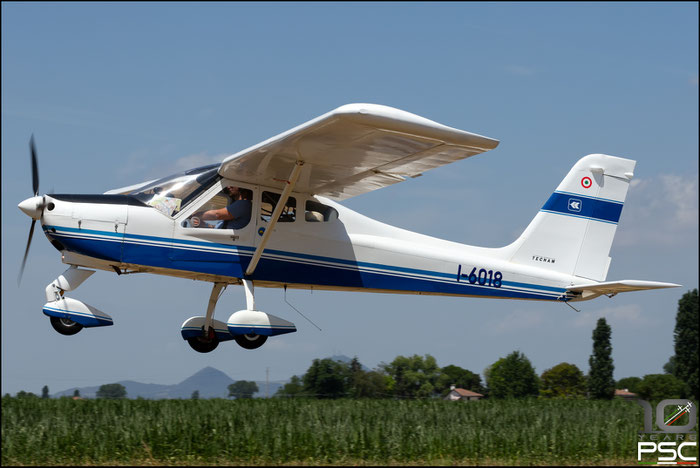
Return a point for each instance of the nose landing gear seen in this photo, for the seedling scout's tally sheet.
(65, 326)
(68, 316)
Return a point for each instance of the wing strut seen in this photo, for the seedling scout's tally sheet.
(293, 177)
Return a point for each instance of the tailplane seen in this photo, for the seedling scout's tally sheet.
(574, 230)
(611, 288)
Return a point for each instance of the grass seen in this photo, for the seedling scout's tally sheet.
(310, 432)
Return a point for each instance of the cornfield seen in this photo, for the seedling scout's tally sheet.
(303, 431)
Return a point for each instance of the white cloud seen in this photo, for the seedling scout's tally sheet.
(683, 194)
(660, 210)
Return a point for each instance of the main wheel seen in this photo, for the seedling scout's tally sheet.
(204, 344)
(65, 326)
(251, 341)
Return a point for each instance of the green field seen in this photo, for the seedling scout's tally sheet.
(298, 431)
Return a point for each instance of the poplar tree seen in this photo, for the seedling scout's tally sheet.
(601, 384)
(685, 341)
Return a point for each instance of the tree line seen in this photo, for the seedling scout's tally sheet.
(510, 377)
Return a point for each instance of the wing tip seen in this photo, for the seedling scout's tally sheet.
(406, 121)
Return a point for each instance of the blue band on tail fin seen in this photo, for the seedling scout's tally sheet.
(583, 207)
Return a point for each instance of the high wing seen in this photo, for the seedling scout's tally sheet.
(354, 149)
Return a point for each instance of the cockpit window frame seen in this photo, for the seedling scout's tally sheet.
(206, 177)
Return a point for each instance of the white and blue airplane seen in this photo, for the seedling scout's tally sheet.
(295, 234)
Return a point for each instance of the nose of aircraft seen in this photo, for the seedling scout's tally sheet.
(32, 207)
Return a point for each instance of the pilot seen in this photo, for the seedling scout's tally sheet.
(237, 214)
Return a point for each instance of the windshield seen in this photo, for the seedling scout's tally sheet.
(171, 194)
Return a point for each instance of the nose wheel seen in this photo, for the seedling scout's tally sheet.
(65, 326)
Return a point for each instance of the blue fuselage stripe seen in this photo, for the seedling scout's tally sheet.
(581, 206)
(230, 260)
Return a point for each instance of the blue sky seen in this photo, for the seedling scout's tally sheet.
(118, 93)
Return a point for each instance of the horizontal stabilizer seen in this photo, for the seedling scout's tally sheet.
(614, 287)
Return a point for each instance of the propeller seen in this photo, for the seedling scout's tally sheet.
(34, 206)
(35, 166)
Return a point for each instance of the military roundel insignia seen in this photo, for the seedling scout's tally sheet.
(586, 182)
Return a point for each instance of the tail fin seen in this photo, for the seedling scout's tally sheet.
(574, 230)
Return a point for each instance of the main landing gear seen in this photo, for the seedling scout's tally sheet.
(251, 340)
(250, 328)
(204, 343)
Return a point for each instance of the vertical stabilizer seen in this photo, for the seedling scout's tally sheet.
(574, 230)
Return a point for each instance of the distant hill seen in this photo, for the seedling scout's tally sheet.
(211, 383)
(347, 360)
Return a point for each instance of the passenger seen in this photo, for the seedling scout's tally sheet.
(237, 214)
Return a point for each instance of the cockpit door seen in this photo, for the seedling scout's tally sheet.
(208, 245)
(268, 199)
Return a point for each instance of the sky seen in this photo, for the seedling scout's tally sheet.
(119, 93)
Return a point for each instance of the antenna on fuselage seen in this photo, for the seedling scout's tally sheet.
(290, 305)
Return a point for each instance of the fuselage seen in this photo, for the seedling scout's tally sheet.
(348, 251)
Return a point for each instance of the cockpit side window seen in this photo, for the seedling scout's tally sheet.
(269, 202)
(316, 212)
(229, 208)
